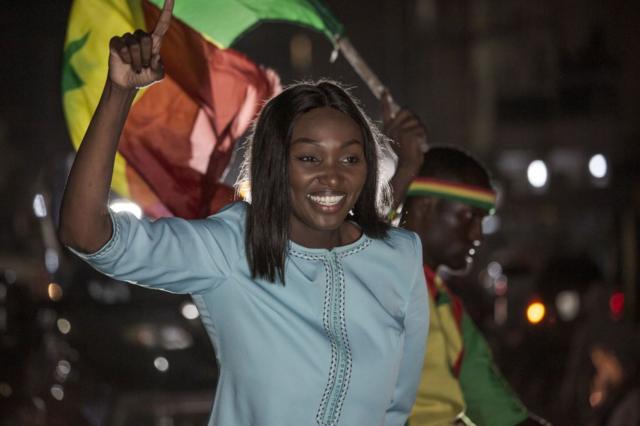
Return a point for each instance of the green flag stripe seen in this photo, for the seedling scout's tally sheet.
(333, 25)
(70, 78)
(224, 21)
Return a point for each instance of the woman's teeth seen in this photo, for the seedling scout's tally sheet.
(326, 200)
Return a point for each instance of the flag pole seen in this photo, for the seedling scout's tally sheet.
(343, 44)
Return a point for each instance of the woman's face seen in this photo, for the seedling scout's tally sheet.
(327, 171)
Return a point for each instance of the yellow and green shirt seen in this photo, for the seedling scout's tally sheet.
(459, 380)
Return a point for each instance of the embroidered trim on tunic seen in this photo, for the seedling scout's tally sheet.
(335, 327)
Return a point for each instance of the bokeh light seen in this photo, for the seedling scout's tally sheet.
(54, 291)
(39, 206)
(64, 326)
(537, 173)
(536, 312)
(57, 391)
(161, 364)
(616, 304)
(189, 311)
(126, 206)
(568, 305)
(598, 166)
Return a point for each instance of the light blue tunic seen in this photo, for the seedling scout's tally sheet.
(342, 343)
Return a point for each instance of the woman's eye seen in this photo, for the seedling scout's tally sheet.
(307, 158)
(352, 159)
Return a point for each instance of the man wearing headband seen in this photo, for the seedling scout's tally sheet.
(445, 205)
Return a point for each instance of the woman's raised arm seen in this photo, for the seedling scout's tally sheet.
(134, 62)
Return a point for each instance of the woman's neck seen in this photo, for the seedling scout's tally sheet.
(346, 234)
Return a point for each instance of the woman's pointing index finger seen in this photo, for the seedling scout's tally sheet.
(162, 26)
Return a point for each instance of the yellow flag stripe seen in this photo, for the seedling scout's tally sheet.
(101, 20)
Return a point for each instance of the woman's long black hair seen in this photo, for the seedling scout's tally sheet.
(264, 178)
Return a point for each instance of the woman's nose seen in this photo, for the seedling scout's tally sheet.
(329, 175)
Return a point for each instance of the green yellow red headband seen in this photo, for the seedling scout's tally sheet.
(476, 196)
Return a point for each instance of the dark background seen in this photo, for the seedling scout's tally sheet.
(510, 81)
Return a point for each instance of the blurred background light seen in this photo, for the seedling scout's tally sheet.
(54, 291)
(568, 304)
(5, 390)
(490, 224)
(57, 391)
(108, 292)
(189, 311)
(501, 285)
(616, 304)
(161, 364)
(157, 336)
(51, 260)
(126, 206)
(39, 206)
(494, 269)
(175, 338)
(301, 52)
(500, 310)
(595, 398)
(537, 173)
(598, 166)
(536, 312)
(63, 368)
(64, 326)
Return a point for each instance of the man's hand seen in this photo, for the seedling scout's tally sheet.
(134, 59)
(409, 138)
(408, 134)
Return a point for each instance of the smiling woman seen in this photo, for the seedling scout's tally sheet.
(343, 342)
(328, 151)
(327, 171)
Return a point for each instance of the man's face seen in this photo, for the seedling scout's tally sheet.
(451, 233)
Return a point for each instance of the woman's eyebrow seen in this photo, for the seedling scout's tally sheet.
(351, 142)
(315, 142)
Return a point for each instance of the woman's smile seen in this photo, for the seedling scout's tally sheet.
(329, 202)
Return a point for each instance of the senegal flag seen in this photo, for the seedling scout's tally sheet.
(223, 21)
(180, 133)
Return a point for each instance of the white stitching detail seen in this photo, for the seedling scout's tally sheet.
(335, 327)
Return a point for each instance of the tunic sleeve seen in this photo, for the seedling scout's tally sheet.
(416, 326)
(171, 254)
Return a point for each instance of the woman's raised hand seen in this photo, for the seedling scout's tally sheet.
(134, 59)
